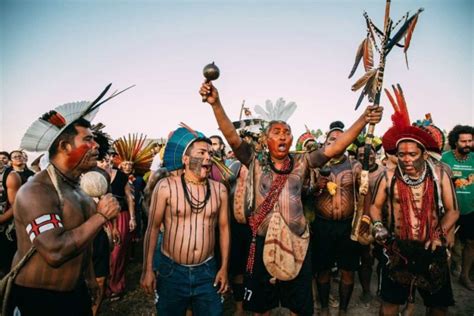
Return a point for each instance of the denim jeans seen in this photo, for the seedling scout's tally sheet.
(180, 287)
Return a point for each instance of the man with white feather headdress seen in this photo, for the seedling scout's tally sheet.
(278, 267)
(55, 220)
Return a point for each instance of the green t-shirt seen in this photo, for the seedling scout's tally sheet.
(463, 175)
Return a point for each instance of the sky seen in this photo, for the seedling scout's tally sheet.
(55, 52)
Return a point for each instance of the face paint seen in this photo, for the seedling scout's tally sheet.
(195, 165)
(419, 164)
(279, 141)
(79, 155)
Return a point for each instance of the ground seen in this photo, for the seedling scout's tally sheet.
(136, 303)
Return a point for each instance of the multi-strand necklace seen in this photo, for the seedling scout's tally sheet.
(413, 182)
(286, 170)
(196, 205)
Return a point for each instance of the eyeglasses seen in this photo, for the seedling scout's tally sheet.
(17, 157)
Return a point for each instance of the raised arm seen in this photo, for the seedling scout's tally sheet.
(225, 124)
(159, 200)
(61, 243)
(371, 114)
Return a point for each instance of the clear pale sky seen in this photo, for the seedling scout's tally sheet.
(54, 52)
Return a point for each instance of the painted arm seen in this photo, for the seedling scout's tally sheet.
(222, 280)
(159, 200)
(371, 114)
(378, 201)
(60, 244)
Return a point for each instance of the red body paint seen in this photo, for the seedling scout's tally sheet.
(78, 154)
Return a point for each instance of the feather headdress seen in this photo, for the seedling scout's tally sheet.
(309, 135)
(137, 149)
(44, 131)
(282, 111)
(402, 128)
(178, 142)
(438, 135)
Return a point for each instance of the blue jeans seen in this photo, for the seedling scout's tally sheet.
(179, 286)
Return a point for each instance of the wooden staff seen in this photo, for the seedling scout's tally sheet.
(372, 81)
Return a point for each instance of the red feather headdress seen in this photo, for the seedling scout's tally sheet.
(402, 128)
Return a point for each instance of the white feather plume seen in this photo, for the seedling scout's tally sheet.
(282, 111)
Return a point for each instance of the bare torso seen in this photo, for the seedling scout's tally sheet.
(289, 203)
(418, 193)
(37, 273)
(189, 234)
(340, 206)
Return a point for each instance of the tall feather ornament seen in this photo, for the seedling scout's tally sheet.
(368, 54)
(400, 117)
(408, 36)
(362, 81)
(359, 54)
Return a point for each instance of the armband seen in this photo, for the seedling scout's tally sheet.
(42, 224)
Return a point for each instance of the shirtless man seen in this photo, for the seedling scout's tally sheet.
(260, 294)
(56, 217)
(422, 210)
(332, 227)
(190, 206)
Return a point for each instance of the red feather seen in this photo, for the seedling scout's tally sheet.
(409, 33)
(401, 117)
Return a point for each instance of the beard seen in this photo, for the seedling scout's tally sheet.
(464, 150)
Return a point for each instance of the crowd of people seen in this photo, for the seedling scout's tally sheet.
(270, 225)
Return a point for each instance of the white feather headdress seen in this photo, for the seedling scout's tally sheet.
(44, 131)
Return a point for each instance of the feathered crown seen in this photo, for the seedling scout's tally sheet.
(44, 131)
(309, 135)
(402, 128)
(282, 111)
(136, 149)
(178, 142)
(434, 131)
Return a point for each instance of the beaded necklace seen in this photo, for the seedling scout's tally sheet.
(422, 213)
(461, 160)
(266, 207)
(284, 170)
(413, 182)
(196, 205)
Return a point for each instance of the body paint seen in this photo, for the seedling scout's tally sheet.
(78, 155)
(195, 165)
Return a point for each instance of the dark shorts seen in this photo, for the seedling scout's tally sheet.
(101, 254)
(395, 293)
(240, 237)
(466, 229)
(261, 296)
(332, 243)
(32, 302)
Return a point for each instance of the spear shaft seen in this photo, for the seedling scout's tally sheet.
(370, 131)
